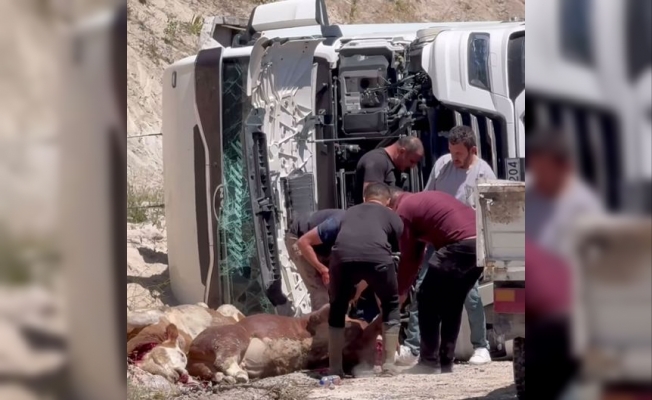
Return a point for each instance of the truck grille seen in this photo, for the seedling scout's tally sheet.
(594, 134)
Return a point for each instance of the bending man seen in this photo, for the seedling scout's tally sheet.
(366, 238)
(437, 219)
(456, 173)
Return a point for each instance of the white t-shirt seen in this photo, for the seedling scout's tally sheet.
(549, 222)
(446, 177)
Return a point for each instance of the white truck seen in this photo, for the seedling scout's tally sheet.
(500, 219)
(269, 127)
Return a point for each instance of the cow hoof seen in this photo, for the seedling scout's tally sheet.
(218, 377)
(230, 380)
(242, 377)
(389, 369)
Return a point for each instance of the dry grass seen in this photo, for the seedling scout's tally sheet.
(144, 205)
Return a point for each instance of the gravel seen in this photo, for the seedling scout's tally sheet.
(489, 382)
(147, 271)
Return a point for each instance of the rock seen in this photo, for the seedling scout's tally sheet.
(140, 380)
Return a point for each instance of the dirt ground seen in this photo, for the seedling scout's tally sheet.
(491, 382)
(148, 286)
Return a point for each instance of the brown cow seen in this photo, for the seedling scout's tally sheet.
(266, 345)
(159, 339)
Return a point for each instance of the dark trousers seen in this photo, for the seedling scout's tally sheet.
(452, 272)
(381, 279)
(548, 349)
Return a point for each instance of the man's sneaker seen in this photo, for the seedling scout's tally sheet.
(405, 357)
(480, 356)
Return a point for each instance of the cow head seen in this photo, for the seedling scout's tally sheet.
(361, 343)
(167, 359)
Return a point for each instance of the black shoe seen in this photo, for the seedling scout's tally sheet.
(446, 368)
(423, 369)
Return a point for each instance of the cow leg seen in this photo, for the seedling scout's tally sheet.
(233, 369)
(229, 355)
(201, 370)
(367, 347)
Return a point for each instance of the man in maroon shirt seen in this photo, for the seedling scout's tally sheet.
(438, 219)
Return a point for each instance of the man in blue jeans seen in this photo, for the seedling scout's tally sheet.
(455, 173)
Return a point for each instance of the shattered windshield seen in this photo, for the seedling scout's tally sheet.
(239, 264)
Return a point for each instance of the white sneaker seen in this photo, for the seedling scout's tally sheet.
(405, 357)
(480, 356)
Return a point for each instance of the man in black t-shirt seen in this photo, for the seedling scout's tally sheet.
(385, 165)
(315, 278)
(366, 238)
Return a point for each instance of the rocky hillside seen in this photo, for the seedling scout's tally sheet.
(162, 31)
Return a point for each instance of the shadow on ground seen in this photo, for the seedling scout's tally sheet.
(153, 256)
(506, 393)
(158, 285)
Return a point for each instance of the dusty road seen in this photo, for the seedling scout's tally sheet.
(148, 286)
(491, 382)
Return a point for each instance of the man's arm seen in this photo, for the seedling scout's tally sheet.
(434, 173)
(397, 233)
(324, 233)
(305, 245)
(411, 259)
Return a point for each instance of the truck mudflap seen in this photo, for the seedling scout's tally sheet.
(279, 147)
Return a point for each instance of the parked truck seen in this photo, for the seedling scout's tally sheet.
(500, 219)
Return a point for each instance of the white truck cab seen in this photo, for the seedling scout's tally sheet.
(271, 128)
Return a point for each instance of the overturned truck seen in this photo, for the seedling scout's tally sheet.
(269, 127)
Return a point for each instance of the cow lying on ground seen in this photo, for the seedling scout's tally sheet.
(266, 345)
(158, 340)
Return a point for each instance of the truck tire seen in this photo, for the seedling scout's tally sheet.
(519, 367)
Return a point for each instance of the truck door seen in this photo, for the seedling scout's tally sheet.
(479, 74)
(514, 165)
(192, 157)
(280, 158)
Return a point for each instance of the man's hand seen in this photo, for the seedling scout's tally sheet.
(358, 292)
(325, 276)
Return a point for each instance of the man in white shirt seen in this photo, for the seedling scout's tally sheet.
(455, 173)
(555, 194)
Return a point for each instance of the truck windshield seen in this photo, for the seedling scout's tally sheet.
(239, 265)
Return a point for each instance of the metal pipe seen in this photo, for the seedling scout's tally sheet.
(350, 139)
(476, 131)
(570, 130)
(597, 146)
(492, 142)
(458, 119)
(340, 174)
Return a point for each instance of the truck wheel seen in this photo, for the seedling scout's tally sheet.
(519, 367)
